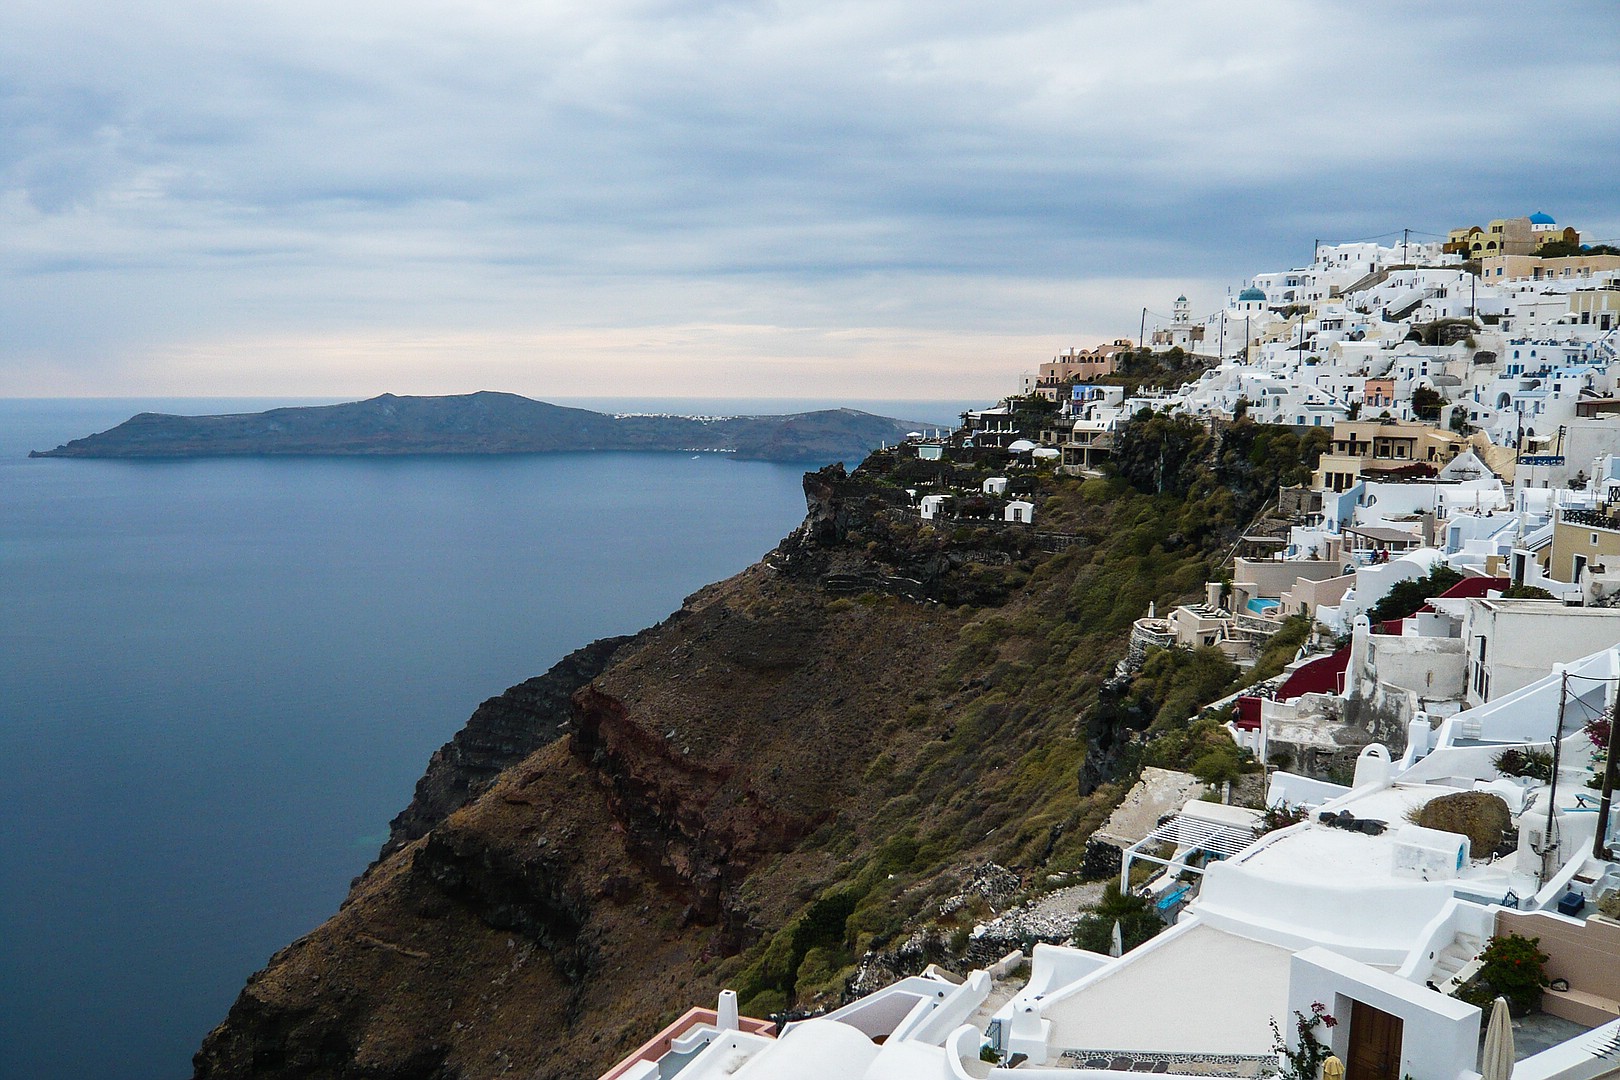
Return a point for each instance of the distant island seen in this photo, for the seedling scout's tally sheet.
(485, 423)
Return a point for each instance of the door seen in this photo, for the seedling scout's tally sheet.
(1375, 1044)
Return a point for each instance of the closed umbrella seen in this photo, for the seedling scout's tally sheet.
(1496, 1060)
(1332, 1069)
(1118, 946)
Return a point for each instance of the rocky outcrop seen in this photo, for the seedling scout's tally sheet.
(864, 537)
(502, 732)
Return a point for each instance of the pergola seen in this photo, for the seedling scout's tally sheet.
(1188, 835)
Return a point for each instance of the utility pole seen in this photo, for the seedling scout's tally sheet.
(1404, 234)
(1600, 842)
(1141, 335)
(1549, 840)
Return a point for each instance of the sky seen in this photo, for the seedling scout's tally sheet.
(675, 198)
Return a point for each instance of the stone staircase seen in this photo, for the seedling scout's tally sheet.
(1377, 277)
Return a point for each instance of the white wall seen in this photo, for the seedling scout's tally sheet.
(1439, 1037)
(1525, 638)
(1433, 668)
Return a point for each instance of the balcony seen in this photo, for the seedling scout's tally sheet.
(1591, 519)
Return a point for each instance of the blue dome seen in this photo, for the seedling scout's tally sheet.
(1538, 218)
(1252, 293)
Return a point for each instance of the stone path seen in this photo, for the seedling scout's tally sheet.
(1049, 917)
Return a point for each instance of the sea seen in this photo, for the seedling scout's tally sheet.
(219, 680)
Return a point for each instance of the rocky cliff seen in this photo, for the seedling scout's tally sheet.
(796, 770)
(502, 732)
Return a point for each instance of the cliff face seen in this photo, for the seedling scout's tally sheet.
(787, 772)
(502, 732)
(554, 920)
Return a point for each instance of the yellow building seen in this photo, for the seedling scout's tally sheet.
(1583, 540)
(1508, 236)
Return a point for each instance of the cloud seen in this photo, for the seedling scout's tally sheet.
(180, 180)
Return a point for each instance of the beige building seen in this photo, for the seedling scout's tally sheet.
(1373, 446)
(1534, 268)
(1078, 365)
(1596, 307)
(1504, 236)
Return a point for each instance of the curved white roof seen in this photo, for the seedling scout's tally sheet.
(1426, 557)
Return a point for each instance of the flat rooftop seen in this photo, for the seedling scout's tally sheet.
(1355, 859)
(1176, 1000)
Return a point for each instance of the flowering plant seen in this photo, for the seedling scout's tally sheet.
(1598, 732)
(1513, 967)
(1305, 1061)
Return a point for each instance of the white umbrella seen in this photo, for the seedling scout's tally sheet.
(1118, 947)
(1496, 1060)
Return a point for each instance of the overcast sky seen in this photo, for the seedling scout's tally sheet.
(664, 197)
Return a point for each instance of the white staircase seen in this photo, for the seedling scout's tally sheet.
(1456, 963)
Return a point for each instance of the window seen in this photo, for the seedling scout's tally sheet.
(1482, 680)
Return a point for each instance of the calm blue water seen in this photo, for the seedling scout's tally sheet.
(220, 679)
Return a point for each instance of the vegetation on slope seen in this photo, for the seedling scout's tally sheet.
(1029, 700)
(791, 774)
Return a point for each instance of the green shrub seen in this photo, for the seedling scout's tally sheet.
(1407, 596)
(1512, 967)
(1137, 921)
(1304, 1062)
(1280, 816)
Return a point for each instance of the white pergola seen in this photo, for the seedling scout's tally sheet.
(1189, 835)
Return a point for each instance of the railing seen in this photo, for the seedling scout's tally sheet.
(1594, 519)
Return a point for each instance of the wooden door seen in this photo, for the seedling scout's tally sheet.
(1375, 1044)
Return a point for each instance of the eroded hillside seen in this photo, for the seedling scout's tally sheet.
(788, 773)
